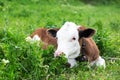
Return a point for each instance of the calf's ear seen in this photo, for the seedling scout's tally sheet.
(86, 33)
(52, 32)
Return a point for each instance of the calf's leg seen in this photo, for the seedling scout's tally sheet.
(72, 62)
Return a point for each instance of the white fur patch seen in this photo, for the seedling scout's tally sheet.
(35, 38)
(100, 62)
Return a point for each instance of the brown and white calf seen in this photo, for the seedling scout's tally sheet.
(42, 35)
(70, 38)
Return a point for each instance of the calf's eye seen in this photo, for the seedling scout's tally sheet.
(73, 38)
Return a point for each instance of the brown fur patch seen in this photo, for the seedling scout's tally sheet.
(45, 37)
(91, 49)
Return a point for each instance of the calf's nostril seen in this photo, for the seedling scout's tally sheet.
(58, 53)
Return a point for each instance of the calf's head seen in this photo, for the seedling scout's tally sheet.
(68, 37)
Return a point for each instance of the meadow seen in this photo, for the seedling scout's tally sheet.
(19, 18)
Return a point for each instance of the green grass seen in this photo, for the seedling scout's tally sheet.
(19, 18)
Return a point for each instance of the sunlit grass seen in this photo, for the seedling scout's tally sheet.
(20, 18)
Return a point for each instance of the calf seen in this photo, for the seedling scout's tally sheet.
(47, 37)
(44, 36)
(72, 39)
